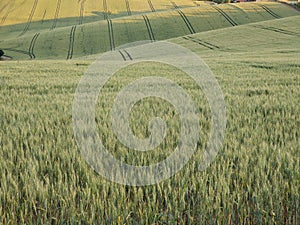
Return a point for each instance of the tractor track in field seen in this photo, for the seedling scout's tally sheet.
(4, 18)
(3, 7)
(44, 15)
(149, 28)
(128, 8)
(81, 12)
(105, 10)
(5, 15)
(239, 9)
(278, 30)
(225, 15)
(203, 43)
(26, 28)
(174, 5)
(71, 42)
(111, 34)
(186, 21)
(31, 46)
(268, 10)
(257, 11)
(151, 6)
(58, 4)
(125, 55)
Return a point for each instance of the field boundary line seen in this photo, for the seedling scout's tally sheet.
(71, 42)
(128, 7)
(111, 34)
(149, 28)
(201, 42)
(58, 4)
(31, 46)
(151, 6)
(268, 10)
(225, 15)
(186, 21)
(26, 28)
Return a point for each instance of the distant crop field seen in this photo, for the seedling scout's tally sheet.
(252, 50)
(20, 11)
(53, 39)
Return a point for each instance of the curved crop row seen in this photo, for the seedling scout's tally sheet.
(81, 12)
(225, 15)
(270, 12)
(111, 34)
(26, 28)
(201, 42)
(128, 7)
(186, 21)
(151, 6)
(71, 43)
(58, 4)
(32, 44)
(125, 55)
(149, 28)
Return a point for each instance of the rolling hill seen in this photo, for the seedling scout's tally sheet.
(70, 35)
(253, 51)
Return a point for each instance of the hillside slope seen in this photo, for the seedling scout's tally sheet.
(253, 180)
(73, 37)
